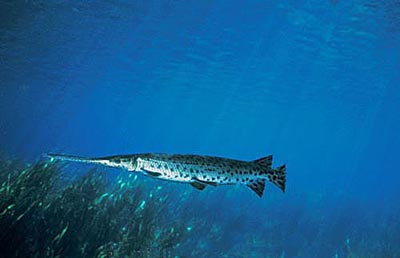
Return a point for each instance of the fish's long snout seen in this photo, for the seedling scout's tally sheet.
(68, 157)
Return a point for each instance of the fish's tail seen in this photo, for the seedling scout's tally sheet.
(278, 177)
(69, 158)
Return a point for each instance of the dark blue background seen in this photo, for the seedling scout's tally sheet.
(315, 83)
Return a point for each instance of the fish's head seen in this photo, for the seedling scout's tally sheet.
(128, 163)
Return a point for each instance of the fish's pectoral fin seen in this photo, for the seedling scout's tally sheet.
(205, 182)
(257, 186)
(151, 173)
(198, 185)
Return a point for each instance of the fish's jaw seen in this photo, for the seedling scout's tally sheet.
(129, 164)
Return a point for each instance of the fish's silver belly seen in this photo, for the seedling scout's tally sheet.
(166, 170)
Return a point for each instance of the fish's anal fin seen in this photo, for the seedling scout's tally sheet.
(197, 185)
(257, 186)
(205, 182)
(264, 161)
(151, 173)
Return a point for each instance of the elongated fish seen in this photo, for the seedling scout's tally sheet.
(198, 171)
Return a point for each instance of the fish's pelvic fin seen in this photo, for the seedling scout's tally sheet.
(198, 185)
(205, 182)
(258, 186)
(151, 173)
(264, 161)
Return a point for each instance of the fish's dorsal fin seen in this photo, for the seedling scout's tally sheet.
(257, 186)
(264, 161)
(198, 185)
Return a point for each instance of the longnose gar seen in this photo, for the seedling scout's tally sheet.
(198, 171)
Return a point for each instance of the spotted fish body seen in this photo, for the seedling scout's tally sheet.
(199, 171)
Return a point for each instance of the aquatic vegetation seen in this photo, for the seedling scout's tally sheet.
(44, 213)
(86, 218)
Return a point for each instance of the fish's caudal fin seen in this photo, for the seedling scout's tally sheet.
(278, 177)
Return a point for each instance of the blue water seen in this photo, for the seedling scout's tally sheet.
(315, 83)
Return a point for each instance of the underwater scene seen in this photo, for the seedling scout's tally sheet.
(173, 129)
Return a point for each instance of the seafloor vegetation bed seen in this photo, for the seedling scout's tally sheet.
(41, 216)
(45, 214)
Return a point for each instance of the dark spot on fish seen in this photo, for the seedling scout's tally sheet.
(191, 170)
(117, 161)
(237, 179)
(231, 173)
